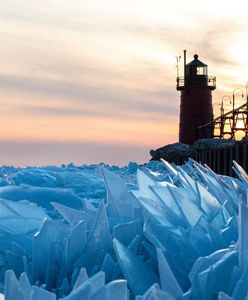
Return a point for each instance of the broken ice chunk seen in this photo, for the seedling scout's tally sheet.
(223, 296)
(125, 232)
(41, 294)
(120, 202)
(82, 277)
(99, 242)
(117, 290)
(243, 236)
(12, 288)
(139, 276)
(168, 281)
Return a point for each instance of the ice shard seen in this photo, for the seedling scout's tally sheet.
(120, 202)
(98, 243)
(139, 276)
(243, 237)
(117, 289)
(165, 232)
(168, 281)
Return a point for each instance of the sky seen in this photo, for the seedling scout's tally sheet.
(94, 81)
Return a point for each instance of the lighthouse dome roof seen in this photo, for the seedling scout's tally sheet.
(196, 62)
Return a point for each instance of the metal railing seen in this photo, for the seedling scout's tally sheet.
(194, 81)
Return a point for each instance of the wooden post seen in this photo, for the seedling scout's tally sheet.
(224, 162)
(230, 159)
(245, 157)
(218, 160)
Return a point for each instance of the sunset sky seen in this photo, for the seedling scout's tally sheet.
(91, 81)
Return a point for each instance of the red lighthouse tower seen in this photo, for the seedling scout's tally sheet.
(196, 101)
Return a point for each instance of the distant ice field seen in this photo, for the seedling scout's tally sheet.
(100, 232)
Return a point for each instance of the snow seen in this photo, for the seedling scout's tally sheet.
(157, 231)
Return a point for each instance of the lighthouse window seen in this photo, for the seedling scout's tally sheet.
(200, 71)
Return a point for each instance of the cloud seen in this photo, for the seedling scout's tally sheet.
(90, 100)
(111, 60)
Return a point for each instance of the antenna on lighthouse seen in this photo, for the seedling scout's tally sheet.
(178, 58)
(184, 65)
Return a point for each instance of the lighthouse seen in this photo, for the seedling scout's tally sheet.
(196, 101)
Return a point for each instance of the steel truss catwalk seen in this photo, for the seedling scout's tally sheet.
(227, 125)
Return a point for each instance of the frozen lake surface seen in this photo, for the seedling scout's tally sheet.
(156, 231)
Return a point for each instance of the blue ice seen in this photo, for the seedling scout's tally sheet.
(160, 232)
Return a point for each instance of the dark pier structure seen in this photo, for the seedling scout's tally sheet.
(208, 140)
